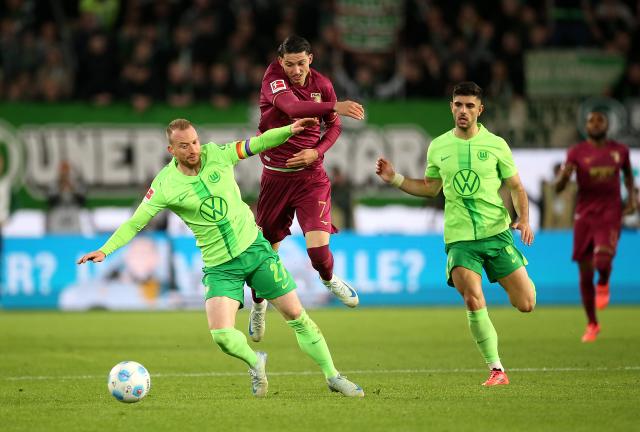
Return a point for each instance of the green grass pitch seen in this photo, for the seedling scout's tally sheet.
(418, 367)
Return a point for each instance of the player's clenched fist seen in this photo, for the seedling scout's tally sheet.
(384, 169)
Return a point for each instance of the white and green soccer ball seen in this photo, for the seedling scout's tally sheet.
(129, 381)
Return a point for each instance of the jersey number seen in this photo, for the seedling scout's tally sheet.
(279, 272)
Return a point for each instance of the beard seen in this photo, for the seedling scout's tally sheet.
(597, 136)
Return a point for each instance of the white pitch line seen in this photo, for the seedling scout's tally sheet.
(350, 372)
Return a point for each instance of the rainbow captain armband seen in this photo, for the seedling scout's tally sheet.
(243, 149)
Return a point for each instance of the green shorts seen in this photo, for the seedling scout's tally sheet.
(496, 254)
(259, 266)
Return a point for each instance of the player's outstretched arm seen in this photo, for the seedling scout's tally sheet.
(276, 136)
(124, 234)
(95, 256)
(295, 108)
(521, 205)
(427, 187)
(566, 171)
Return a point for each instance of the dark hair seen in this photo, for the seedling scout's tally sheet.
(294, 44)
(467, 88)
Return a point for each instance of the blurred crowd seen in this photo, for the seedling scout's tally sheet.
(216, 51)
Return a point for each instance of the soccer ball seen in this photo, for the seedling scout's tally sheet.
(129, 381)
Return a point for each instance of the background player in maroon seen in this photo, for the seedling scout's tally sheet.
(293, 178)
(597, 163)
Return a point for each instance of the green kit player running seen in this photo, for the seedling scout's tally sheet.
(199, 186)
(470, 163)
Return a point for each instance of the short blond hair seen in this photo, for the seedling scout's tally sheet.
(177, 124)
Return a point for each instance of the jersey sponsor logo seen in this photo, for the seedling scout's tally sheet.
(149, 194)
(213, 209)
(277, 85)
(483, 155)
(601, 173)
(316, 97)
(466, 182)
(616, 156)
(214, 177)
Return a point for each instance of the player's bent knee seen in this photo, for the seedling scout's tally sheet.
(473, 303)
(526, 305)
(602, 261)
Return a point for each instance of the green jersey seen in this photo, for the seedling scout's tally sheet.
(472, 172)
(209, 203)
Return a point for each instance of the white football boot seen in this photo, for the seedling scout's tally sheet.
(257, 323)
(258, 373)
(342, 290)
(340, 384)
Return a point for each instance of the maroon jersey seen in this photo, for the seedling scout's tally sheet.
(317, 89)
(598, 175)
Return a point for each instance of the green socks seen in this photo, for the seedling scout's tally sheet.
(312, 343)
(234, 343)
(484, 334)
(310, 340)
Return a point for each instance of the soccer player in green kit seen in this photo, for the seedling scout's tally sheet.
(470, 163)
(199, 186)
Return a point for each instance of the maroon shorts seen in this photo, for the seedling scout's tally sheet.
(595, 234)
(305, 193)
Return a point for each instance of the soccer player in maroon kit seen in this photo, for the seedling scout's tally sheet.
(597, 163)
(293, 177)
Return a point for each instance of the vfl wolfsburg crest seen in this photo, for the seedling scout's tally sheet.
(213, 209)
(483, 155)
(466, 182)
(214, 177)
